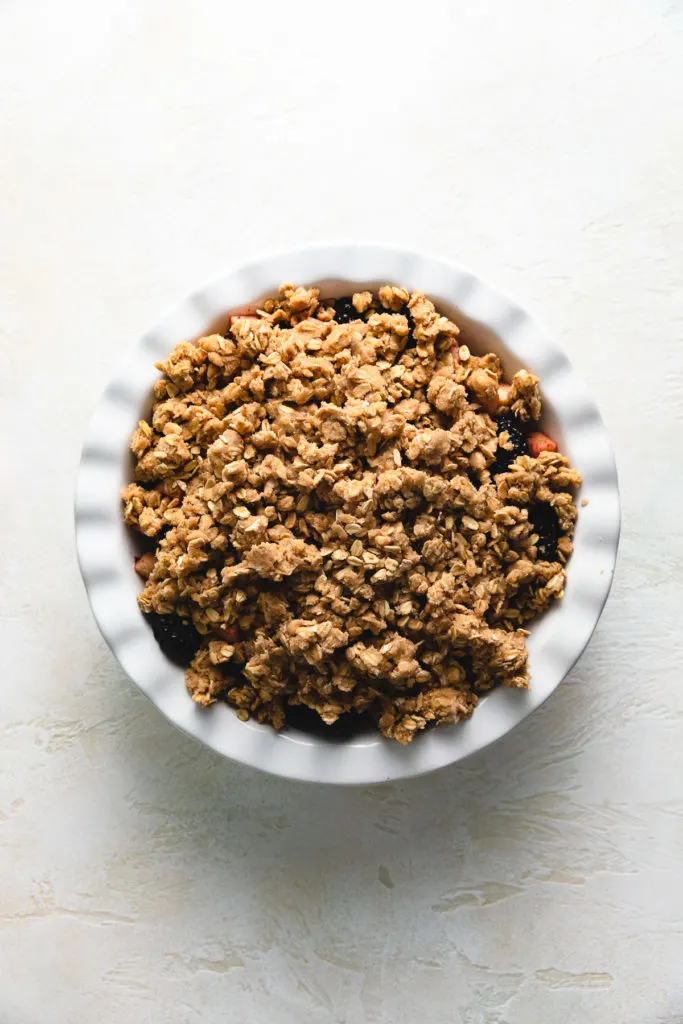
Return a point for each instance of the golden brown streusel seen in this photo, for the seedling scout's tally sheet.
(325, 511)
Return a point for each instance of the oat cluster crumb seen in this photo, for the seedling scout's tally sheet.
(348, 510)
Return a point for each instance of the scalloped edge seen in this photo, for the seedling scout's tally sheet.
(557, 639)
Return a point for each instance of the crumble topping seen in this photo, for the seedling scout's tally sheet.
(348, 512)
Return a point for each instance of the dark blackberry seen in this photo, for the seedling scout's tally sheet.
(349, 726)
(505, 456)
(543, 519)
(345, 311)
(177, 637)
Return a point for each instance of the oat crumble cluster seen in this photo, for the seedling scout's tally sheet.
(347, 510)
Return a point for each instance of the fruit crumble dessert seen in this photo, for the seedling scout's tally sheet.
(349, 511)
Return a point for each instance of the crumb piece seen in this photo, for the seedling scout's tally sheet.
(362, 301)
(393, 298)
(525, 397)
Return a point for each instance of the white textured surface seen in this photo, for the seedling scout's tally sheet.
(143, 878)
(489, 322)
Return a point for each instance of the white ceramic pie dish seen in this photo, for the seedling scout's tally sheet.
(489, 322)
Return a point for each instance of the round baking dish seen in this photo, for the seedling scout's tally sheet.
(489, 322)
